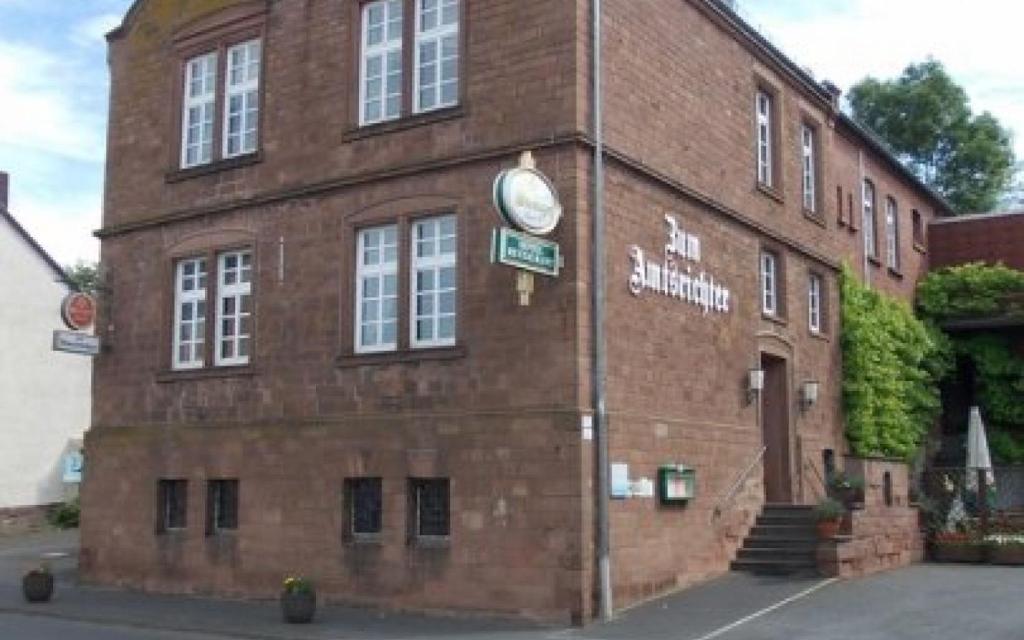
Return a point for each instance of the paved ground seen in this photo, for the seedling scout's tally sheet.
(926, 602)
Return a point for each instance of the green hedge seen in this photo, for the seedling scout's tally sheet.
(892, 363)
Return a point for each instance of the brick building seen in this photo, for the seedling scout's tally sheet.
(991, 238)
(314, 367)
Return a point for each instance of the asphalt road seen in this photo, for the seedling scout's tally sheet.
(30, 627)
(924, 602)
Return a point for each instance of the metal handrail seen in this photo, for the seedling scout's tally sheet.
(730, 495)
(808, 463)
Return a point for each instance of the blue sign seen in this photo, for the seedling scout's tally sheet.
(73, 463)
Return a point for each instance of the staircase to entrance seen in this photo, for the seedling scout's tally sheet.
(783, 541)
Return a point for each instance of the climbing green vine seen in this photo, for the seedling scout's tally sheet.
(891, 366)
(979, 291)
(971, 291)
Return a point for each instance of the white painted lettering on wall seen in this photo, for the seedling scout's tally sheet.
(676, 279)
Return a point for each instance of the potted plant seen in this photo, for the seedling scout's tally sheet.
(37, 584)
(829, 515)
(847, 489)
(1006, 548)
(298, 600)
(958, 546)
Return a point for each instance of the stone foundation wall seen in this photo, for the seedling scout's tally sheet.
(884, 534)
(18, 520)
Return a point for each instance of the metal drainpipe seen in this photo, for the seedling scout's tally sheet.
(600, 356)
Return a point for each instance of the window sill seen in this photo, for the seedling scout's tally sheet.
(775, 319)
(895, 273)
(875, 261)
(350, 360)
(441, 543)
(364, 539)
(816, 218)
(820, 335)
(179, 175)
(920, 248)
(359, 132)
(172, 375)
(771, 192)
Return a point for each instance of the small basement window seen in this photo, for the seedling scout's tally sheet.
(430, 508)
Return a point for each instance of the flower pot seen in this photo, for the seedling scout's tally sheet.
(1011, 554)
(828, 529)
(298, 608)
(958, 552)
(37, 586)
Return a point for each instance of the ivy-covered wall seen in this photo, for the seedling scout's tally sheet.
(985, 292)
(891, 366)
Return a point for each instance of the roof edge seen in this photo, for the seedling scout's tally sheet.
(970, 217)
(62, 276)
(797, 73)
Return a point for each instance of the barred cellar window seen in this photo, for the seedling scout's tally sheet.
(221, 506)
(429, 507)
(172, 505)
(364, 507)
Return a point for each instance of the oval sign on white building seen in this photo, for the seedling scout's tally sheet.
(527, 200)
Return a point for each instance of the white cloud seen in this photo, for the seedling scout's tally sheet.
(847, 41)
(62, 226)
(39, 109)
(93, 30)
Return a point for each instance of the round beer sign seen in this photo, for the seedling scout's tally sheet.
(527, 200)
(78, 310)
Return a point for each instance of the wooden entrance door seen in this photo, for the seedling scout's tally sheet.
(778, 485)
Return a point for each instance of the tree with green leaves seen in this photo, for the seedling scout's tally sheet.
(84, 276)
(925, 117)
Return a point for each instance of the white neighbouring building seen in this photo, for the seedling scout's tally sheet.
(45, 396)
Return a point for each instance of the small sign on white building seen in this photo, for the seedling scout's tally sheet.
(74, 342)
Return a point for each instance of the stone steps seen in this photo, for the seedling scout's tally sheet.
(783, 541)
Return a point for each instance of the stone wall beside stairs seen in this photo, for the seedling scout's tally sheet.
(883, 534)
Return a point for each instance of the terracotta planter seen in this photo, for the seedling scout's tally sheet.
(1011, 554)
(298, 608)
(959, 552)
(37, 586)
(828, 529)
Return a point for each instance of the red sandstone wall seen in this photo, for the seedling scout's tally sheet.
(520, 72)
(881, 536)
(992, 239)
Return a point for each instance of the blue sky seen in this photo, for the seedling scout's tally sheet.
(53, 83)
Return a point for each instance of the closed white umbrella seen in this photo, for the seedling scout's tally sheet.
(978, 456)
(977, 444)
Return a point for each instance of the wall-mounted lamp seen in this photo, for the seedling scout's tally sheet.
(755, 384)
(809, 394)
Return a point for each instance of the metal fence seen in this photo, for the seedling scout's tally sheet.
(951, 495)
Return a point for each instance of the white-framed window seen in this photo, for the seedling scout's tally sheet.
(814, 290)
(433, 282)
(234, 308)
(764, 138)
(807, 153)
(188, 350)
(198, 105)
(437, 55)
(377, 290)
(892, 233)
(769, 284)
(242, 99)
(380, 84)
(870, 232)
